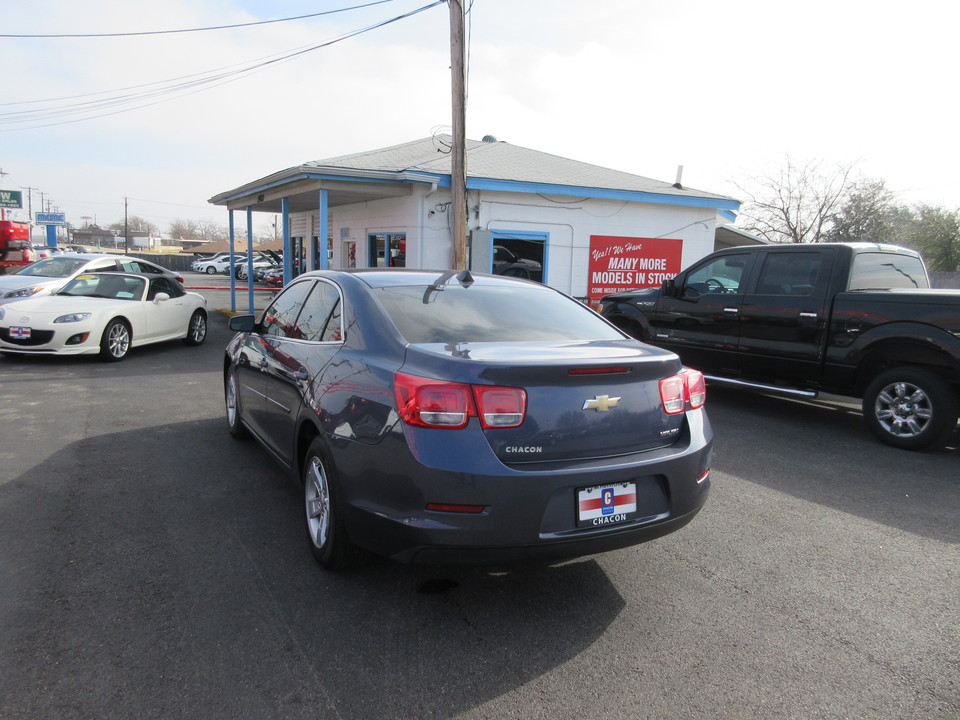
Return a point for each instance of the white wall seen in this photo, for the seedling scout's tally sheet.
(424, 216)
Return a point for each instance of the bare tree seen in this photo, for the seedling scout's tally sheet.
(183, 229)
(136, 223)
(212, 231)
(797, 204)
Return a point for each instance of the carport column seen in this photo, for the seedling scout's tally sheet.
(233, 279)
(287, 249)
(249, 258)
(322, 231)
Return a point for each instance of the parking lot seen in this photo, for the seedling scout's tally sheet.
(152, 566)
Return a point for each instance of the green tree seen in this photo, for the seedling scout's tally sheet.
(935, 233)
(870, 214)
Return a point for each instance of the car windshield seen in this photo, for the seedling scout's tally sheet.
(457, 314)
(53, 267)
(114, 287)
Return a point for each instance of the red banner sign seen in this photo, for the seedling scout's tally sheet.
(622, 263)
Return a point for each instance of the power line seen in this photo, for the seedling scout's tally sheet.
(161, 91)
(190, 30)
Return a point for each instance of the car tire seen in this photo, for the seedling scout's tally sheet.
(196, 328)
(210, 270)
(910, 408)
(326, 533)
(232, 400)
(115, 343)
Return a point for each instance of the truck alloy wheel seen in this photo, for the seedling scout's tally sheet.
(910, 408)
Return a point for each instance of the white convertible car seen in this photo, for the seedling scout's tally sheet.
(105, 313)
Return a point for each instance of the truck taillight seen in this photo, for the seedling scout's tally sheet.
(424, 402)
(686, 388)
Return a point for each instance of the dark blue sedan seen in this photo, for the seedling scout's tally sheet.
(447, 417)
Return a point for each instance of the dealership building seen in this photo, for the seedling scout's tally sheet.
(583, 229)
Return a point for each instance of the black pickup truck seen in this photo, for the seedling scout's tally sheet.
(852, 319)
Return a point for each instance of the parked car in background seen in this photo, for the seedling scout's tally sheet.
(103, 313)
(261, 263)
(436, 417)
(222, 264)
(205, 259)
(46, 276)
(508, 263)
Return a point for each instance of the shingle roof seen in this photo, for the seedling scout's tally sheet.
(503, 162)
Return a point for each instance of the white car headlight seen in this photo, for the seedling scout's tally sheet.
(23, 292)
(73, 317)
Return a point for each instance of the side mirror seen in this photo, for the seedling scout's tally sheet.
(669, 288)
(241, 323)
(161, 297)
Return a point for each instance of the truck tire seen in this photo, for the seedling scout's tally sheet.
(910, 408)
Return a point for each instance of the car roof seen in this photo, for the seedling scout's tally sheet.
(396, 277)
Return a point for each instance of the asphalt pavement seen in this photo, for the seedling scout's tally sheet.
(151, 566)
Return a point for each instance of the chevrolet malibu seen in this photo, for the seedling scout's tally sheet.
(439, 417)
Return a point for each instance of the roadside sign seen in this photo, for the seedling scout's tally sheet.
(11, 199)
(51, 218)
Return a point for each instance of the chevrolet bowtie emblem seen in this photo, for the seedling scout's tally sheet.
(601, 403)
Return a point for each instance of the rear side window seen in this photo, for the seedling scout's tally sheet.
(457, 314)
(790, 273)
(280, 318)
(881, 271)
(320, 318)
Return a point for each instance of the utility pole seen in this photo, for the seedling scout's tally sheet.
(126, 230)
(458, 159)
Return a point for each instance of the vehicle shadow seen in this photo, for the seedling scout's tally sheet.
(820, 450)
(164, 572)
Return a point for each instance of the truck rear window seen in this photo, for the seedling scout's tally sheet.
(882, 271)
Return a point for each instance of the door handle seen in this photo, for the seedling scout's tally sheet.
(731, 310)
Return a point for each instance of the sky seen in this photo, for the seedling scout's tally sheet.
(728, 90)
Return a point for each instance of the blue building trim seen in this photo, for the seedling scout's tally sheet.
(514, 186)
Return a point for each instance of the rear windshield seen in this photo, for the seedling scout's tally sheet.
(53, 267)
(881, 271)
(457, 314)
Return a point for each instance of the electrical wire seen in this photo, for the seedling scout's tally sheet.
(190, 30)
(155, 93)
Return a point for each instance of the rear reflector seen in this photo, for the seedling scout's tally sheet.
(451, 508)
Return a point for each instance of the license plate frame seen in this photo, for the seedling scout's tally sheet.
(606, 505)
(19, 332)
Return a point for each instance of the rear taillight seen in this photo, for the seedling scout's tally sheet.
(424, 402)
(500, 407)
(687, 388)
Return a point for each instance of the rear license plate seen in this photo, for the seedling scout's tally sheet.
(606, 504)
(20, 333)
